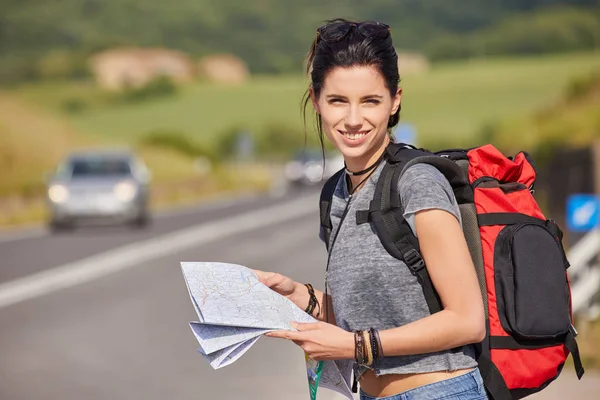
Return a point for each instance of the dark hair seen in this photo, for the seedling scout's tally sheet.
(352, 50)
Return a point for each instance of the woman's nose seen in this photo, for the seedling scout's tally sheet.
(354, 117)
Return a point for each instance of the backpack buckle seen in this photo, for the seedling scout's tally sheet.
(573, 330)
(362, 217)
(413, 260)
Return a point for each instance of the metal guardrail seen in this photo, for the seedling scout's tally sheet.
(585, 275)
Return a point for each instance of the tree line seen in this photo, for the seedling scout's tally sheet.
(41, 38)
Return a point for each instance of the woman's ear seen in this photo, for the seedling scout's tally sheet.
(396, 101)
(314, 99)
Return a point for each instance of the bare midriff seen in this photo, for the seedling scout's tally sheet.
(389, 385)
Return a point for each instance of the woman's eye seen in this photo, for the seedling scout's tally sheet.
(336, 101)
(373, 101)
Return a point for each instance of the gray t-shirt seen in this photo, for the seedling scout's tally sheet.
(369, 287)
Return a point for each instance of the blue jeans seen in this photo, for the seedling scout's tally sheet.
(468, 386)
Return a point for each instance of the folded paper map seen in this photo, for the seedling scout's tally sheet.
(235, 309)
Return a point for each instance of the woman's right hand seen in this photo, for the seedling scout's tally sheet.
(280, 284)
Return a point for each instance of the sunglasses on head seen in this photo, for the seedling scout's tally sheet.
(336, 31)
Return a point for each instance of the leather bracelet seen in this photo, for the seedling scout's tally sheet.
(360, 354)
(365, 357)
(378, 342)
(312, 302)
(368, 350)
(374, 346)
(311, 306)
(362, 347)
(355, 346)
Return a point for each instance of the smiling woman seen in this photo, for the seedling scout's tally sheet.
(355, 94)
(376, 313)
(355, 108)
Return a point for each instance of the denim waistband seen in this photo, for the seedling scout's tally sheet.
(469, 385)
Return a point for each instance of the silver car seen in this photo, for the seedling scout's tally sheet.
(307, 168)
(100, 185)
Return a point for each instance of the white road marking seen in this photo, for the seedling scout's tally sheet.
(14, 234)
(121, 258)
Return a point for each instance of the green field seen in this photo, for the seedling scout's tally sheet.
(455, 101)
(451, 102)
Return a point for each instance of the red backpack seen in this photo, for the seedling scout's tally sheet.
(518, 255)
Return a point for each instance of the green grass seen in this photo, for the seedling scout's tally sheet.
(200, 110)
(204, 111)
(451, 102)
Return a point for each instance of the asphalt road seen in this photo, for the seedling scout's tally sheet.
(102, 313)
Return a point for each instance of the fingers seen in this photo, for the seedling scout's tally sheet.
(261, 275)
(307, 326)
(300, 339)
(264, 277)
(273, 279)
(289, 335)
(301, 327)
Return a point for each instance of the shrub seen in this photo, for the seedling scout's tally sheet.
(179, 142)
(226, 142)
(547, 30)
(62, 64)
(277, 140)
(73, 105)
(582, 86)
(15, 70)
(159, 87)
(274, 141)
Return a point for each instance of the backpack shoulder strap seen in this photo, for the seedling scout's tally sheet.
(386, 214)
(453, 173)
(403, 239)
(325, 205)
(405, 242)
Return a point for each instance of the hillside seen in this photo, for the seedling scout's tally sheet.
(273, 35)
(571, 121)
(448, 105)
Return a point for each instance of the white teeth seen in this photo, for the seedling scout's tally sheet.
(355, 136)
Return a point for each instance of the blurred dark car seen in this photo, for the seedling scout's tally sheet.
(306, 168)
(99, 186)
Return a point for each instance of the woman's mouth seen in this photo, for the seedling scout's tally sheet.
(354, 138)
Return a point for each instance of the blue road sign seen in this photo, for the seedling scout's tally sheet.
(583, 212)
(405, 133)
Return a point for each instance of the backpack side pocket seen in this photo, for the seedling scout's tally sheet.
(531, 283)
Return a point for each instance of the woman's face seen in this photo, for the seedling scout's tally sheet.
(355, 106)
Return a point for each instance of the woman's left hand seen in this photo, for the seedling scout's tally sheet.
(320, 340)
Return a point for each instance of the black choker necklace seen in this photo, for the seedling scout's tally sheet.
(364, 171)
